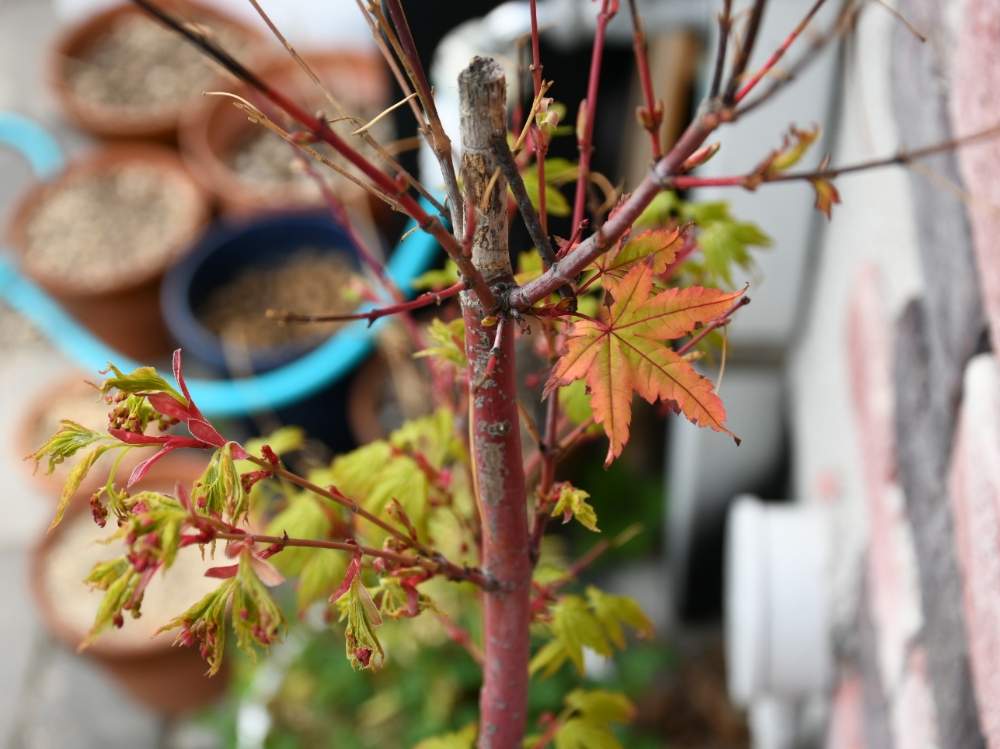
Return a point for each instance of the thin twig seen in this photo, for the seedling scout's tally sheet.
(259, 117)
(778, 53)
(588, 110)
(321, 543)
(439, 141)
(341, 111)
(404, 84)
(424, 300)
(746, 50)
(381, 115)
(447, 568)
(901, 157)
(585, 252)
(902, 19)
(723, 319)
(725, 29)
(548, 591)
(508, 167)
(320, 129)
(460, 636)
(368, 257)
(844, 22)
(651, 116)
(541, 146)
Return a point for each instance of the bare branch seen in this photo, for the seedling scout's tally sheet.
(505, 160)
(779, 52)
(746, 50)
(424, 300)
(651, 116)
(588, 110)
(901, 157)
(321, 130)
(725, 29)
(342, 112)
(439, 141)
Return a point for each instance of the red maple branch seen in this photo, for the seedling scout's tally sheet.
(900, 158)
(588, 109)
(321, 130)
(725, 28)
(540, 143)
(650, 115)
(424, 300)
(778, 53)
(745, 51)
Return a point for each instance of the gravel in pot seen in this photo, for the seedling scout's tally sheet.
(95, 230)
(119, 73)
(309, 280)
(216, 299)
(99, 236)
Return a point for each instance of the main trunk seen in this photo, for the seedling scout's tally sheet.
(494, 430)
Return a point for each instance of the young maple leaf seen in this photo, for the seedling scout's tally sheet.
(624, 353)
(658, 247)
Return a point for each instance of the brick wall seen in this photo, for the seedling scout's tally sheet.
(897, 392)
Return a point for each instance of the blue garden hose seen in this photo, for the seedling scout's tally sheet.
(276, 388)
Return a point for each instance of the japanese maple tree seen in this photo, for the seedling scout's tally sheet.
(456, 504)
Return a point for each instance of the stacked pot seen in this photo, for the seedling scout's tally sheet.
(102, 236)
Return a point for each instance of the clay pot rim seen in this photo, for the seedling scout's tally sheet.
(100, 160)
(119, 122)
(208, 165)
(101, 648)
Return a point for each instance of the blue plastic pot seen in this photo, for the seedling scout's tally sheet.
(229, 249)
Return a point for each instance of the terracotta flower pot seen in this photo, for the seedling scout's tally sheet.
(122, 306)
(169, 680)
(211, 136)
(156, 119)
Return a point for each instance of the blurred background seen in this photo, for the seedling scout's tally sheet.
(833, 582)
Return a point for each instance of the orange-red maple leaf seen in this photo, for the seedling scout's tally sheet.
(625, 353)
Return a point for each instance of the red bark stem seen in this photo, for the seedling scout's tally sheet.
(494, 425)
(586, 138)
(502, 500)
(653, 115)
(778, 53)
